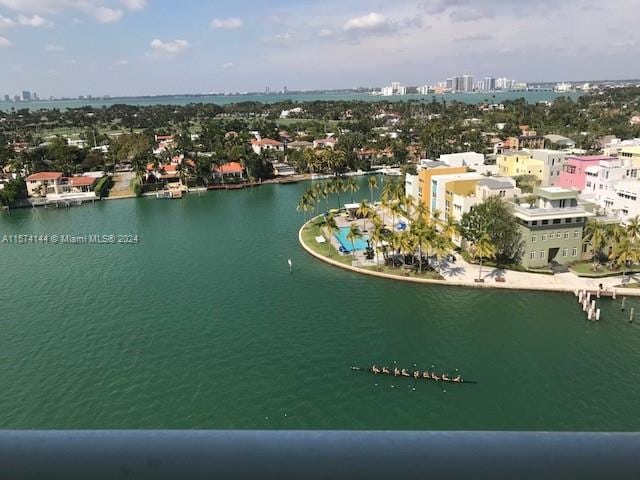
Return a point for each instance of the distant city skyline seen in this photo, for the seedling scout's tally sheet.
(151, 47)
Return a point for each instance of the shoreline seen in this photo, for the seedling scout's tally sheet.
(543, 287)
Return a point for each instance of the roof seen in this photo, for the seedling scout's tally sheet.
(231, 167)
(554, 138)
(82, 181)
(590, 158)
(265, 141)
(326, 140)
(495, 184)
(299, 143)
(40, 176)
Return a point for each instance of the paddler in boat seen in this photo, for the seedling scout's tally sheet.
(426, 374)
(445, 377)
(457, 379)
(396, 372)
(404, 373)
(385, 370)
(416, 374)
(375, 370)
(435, 377)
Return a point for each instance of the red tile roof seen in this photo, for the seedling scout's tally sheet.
(266, 141)
(40, 176)
(231, 167)
(82, 181)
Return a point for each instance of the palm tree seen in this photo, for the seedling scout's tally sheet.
(337, 186)
(420, 211)
(424, 235)
(483, 248)
(449, 228)
(305, 205)
(332, 227)
(376, 237)
(351, 186)
(396, 209)
(353, 235)
(364, 211)
(373, 185)
(595, 237)
(625, 253)
(633, 228)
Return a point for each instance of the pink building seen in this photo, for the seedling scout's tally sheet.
(574, 171)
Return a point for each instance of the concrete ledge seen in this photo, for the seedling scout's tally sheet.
(629, 292)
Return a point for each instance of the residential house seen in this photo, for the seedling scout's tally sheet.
(328, 142)
(260, 145)
(283, 170)
(230, 170)
(43, 183)
(560, 141)
(299, 145)
(552, 227)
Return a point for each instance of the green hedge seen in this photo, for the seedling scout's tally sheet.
(103, 186)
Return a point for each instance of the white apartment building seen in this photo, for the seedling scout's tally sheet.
(615, 146)
(553, 162)
(464, 159)
(626, 201)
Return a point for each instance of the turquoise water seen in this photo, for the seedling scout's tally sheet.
(531, 97)
(357, 245)
(201, 325)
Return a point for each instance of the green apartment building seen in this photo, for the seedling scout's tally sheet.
(552, 227)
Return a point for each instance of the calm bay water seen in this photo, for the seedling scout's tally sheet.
(201, 325)
(531, 97)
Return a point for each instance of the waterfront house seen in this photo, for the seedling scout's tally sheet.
(43, 183)
(229, 171)
(283, 169)
(551, 227)
(574, 171)
(266, 144)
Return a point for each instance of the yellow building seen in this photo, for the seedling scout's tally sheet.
(463, 189)
(514, 164)
(425, 181)
(631, 153)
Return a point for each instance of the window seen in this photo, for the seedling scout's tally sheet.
(545, 222)
(565, 252)
(566, 235)
(568, 220)
(532, 256)
(574, 252)
(556, 221)
(534, 238)
(576, 234)
(552, 236)
(534, 223)
(542, 253)
(544, 237)
(559, 235)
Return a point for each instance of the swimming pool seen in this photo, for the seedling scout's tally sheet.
(358, 244)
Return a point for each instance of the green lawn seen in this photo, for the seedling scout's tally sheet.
(585, 269)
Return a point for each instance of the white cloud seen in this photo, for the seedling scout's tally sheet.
(54, 48)
(34, 21)
(107, 15)
(227, 23)
(5, 42)
(228, 65)
(134, 4)
(6, 22)
(373, 21)
(171, 48)
(121, 63)
(325, 32)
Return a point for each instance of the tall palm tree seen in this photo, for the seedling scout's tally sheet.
(305, 205)
(376, 237)
(482, 249)
(353, 235)
(595, 237)
(396, 209)
(449, 228)
(420, 212)
(332, 227)
(337, 187)
(373, 185)
(423, 234)
(364, 211)
(351, 186)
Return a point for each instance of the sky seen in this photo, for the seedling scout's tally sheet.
(153, 47)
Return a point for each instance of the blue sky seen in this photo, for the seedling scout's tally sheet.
(136, 47)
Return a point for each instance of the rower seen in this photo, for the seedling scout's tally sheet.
(375, 369)
(396, 372)
(405, 373)
(385, 370)
(445, 377)
(426, 375)
(416, 374)
(435, 377)
(457, 379)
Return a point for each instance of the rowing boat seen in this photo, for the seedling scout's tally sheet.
(437, 379)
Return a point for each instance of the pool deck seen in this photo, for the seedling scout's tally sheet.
(463, 274)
